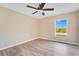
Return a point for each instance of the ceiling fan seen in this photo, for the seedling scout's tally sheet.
(40, 7)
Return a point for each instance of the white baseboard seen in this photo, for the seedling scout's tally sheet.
(28, 41)
(66, 42)
(15, 44)
(74, 43)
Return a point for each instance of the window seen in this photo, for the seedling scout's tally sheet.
(61, 27)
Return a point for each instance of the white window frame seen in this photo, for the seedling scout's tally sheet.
(60, 34)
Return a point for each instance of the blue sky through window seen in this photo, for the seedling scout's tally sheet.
(61, 23)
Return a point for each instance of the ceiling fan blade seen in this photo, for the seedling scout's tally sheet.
(49, 9)
(31, 7)
(34, 12)
(41, 6)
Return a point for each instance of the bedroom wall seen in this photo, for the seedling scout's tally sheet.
(78, 29)
(47, 28)
(16, 28)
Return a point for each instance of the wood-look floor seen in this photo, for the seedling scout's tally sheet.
(41, 47)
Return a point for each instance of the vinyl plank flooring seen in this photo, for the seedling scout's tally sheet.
(41, 47)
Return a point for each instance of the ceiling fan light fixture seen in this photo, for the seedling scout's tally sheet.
(43, 13)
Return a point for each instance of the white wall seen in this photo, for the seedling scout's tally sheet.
(47, 30)
(78, 29)
(16, 28)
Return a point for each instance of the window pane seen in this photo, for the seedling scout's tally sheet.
(61, 26)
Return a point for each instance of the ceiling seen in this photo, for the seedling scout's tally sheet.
(60, 8)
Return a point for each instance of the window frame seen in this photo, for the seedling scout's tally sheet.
(61, 34)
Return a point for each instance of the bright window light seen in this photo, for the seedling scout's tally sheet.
(61, 27)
